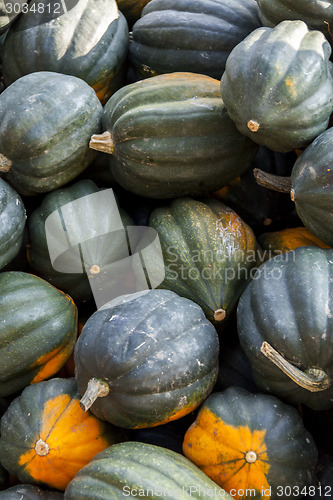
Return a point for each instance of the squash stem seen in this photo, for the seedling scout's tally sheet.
(41, 448)
(271, 181)
(314, 379)
(102, 142)
(95, 389)
(219, 314)
(5, 163)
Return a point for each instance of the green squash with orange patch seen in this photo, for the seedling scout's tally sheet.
(46, 438)
(38, 326)
(146, 360)
(252, 442)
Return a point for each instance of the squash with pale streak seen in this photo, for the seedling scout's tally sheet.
(265, 90)
(46, 438)
(208, 253)
(251, 442)
(89, 41)
(285, 326)
(37, 330)
(147, 360)
(29, 492)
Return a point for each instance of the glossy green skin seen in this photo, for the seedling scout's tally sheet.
(291, 451)
(312, 186)
(264, 82)
(29, 492)
(172, 137)
(182, 35)
(91, 219)
(47, 153)
(316, 14)
(82, 43)
(139, 466)
(6, 17)
(36, 319)
(208, 252)
(12, 223)
(150, 379)
(288, 305)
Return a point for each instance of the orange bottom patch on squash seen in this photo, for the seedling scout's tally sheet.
(69, 438)
(234, 457)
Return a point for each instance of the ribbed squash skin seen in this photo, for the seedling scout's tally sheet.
(139, 467)
(157, 353)
(288, 304)
(312, 187)
(29, 492)
(232, 424)
(46, 438)
(172, 137)
(182, 35)
(90, 41)
(266, 93)
(46, 120)
(316, 14)
(12, 223)
(37, 330)
(92, 218)
(287, 239)
(208, 253)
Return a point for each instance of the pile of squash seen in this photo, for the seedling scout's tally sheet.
(209, 372)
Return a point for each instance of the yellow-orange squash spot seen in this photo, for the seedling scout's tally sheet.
(234, 457)
(68, 439)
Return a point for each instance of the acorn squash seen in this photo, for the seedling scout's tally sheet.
(208, 253)
(285, 326)
(170, 136)
(278, 85)
(142, 470)
(182, 35)
(252, 445)
(12, 223)
(46, 438)
(90, 41)
(38, 326)
(147, 360)
(37, 153)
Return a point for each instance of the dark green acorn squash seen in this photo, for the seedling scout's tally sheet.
(9, 11)
(252, 443)
(38, 326)
(170, 136)
(80, 223)
(141, 470)
(208, 253)
(46, 121)
(278, 85)
(12, 223)
(285, 326)
(89, 41)
(29, 492)
(182, 35)
(318, 15)
(310, 186)
(46, 438)
(146, 361)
